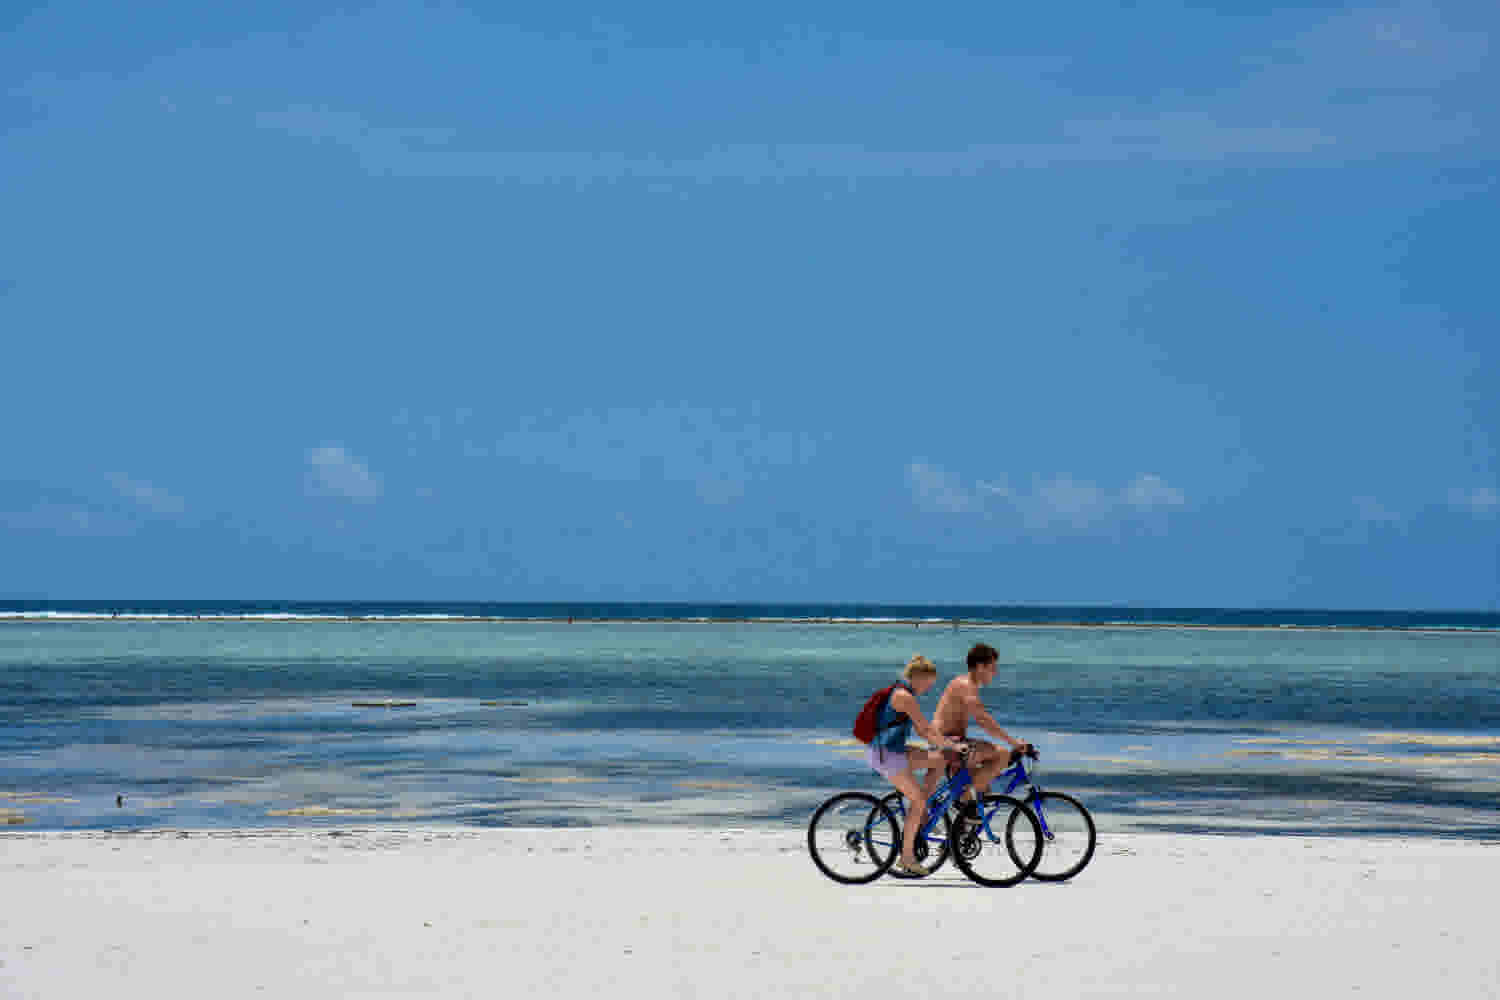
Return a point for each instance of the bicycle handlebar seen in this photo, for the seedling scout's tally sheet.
(1028, 750)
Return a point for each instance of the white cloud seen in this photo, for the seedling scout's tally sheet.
(1419, 84)
(67, 520)
(153, 498)
(1371, 510)
(333, 470)
(720, 490)
(1149, 492)
(935, 490)
(993, 489)
(1406, 48)
(1059, 502)
(1065, 499)
(1188, 135)
(1344, 86)
(1065, 502)
(1484, 501)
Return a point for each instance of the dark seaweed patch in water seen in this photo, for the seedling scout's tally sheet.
(97, 709)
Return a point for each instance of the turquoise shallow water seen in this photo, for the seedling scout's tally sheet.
(202, 723)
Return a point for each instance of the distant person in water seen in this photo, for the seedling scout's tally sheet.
(960, 705)
(895, 761)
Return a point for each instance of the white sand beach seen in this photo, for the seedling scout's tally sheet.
(728, 913)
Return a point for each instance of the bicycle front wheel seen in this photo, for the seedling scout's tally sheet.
(853, 838)
(1068, 836)
(932, 850)
(999, 845)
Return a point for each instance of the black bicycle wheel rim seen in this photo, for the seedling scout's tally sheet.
(1070, 824)
(856, 824)
(991, 838)
(926, 847)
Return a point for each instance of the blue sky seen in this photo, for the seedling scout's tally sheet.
(859, 302)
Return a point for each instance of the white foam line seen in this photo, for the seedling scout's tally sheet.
(435, 618)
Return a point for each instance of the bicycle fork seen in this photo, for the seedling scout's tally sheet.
(1034, 800)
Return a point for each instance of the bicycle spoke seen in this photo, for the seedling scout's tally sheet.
(931, 851)
(1069, 836)
(853, 838)
(990, 849)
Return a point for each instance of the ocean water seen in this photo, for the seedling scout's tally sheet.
(119, 715)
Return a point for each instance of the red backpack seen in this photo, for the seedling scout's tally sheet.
(865, 723)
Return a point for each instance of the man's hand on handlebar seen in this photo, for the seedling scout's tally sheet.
(1023, 750)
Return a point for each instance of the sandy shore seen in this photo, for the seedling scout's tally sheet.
(689, 913)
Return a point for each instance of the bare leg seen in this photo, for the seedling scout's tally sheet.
(985, 763)
(916, 812)
(988, 771)
(935, 764)
(917, 795)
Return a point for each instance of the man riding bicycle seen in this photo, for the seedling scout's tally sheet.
(960, 704)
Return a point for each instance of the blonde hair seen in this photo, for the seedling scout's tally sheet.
(918, 664)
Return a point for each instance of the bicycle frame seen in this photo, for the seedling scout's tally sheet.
(1019, 777)
(953, 786)
(946, 793)
(969, 833)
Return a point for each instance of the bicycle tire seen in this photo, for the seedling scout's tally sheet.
(1080, 826)
(875, 833)
(970, 837)
(896, 803)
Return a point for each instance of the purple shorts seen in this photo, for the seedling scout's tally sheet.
(886, 761)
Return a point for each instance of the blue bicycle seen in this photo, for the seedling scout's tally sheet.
(1068, 832)
(855, 837)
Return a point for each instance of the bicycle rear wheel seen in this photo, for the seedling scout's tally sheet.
(931, 850)
(1068, 839)
(1000, 845)
(853, 838)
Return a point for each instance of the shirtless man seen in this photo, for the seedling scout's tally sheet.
(960, 703)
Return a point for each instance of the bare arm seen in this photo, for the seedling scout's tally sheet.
(903, 701)
(988, 724)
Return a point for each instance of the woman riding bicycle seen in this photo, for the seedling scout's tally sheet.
(894, 760)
